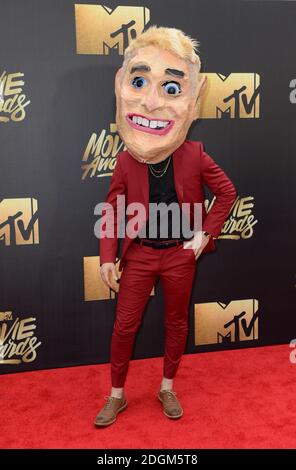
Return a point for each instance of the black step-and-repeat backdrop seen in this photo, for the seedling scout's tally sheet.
(59, 145)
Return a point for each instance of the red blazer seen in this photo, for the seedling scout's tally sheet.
(193, 168)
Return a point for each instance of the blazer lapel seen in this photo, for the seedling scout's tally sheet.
(178, 173)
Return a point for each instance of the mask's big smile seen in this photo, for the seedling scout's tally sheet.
(151, 126)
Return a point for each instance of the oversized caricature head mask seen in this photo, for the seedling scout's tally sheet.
(158, 93)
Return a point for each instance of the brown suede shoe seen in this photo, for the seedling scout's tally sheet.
(109, 412)
(170, 404)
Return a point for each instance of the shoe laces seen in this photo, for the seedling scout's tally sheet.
(170, 394)
(109, 402)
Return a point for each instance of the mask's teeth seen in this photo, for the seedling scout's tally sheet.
(153, 124)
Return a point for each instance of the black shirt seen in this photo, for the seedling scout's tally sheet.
(162, 189)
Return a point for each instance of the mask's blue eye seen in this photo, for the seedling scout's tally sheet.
(172, 88)
(138, 82)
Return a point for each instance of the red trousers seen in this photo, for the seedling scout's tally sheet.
(175, 266)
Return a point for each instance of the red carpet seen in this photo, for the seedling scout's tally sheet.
(231, 399)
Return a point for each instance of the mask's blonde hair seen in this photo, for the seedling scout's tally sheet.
(169, 39)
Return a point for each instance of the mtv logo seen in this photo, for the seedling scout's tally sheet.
(100, 29)
(216, 322)
(5, 316)
(94, 287)
(19, 221)
(224, 339)
(235, 96)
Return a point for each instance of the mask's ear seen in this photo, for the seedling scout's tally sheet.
(118, 76)
(201, 89)
(203, 85)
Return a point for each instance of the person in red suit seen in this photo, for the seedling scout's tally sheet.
(158, 91)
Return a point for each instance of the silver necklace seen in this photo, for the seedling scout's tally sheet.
(161, 172)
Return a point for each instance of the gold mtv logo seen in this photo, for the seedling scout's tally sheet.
(19, 221)
(100, 29)
(216, 322)
(5, 316)
(234, 96)
(94, 287)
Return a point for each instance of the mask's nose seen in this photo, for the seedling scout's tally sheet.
(152, 99)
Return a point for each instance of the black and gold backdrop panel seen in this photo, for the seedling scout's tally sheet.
(59, 144)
